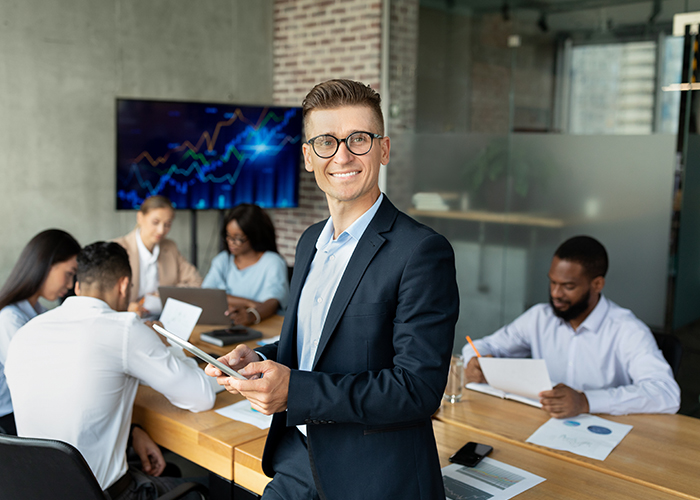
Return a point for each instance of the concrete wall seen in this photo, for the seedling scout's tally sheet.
(63, 63)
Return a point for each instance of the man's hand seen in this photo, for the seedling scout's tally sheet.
(240, 315)
(563, 402)
(267, 393)
(473, 372)
(137, 307)
(152, 461)
(237, 359)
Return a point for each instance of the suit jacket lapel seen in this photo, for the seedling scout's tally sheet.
(301, 269)
(366, 249)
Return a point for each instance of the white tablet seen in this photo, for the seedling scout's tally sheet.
(198, 352)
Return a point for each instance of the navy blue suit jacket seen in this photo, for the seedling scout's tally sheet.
(381, 364)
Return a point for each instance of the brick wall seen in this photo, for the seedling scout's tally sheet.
(403, 59)
(314, 41)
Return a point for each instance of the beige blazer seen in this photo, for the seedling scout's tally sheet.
(173, 269)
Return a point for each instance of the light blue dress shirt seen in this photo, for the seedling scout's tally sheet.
(326, 271)
(266, 279)
(612, 357)
(12, 317)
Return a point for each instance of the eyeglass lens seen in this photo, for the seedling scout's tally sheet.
(358, 143)
(237, 240)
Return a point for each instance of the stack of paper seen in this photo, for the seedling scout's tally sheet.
(429, 201)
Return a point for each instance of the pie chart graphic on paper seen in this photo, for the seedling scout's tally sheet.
(597, 429)
(571, 423)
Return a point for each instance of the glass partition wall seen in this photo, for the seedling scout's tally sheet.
(530, 126)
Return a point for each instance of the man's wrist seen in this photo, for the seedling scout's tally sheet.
(130, 441)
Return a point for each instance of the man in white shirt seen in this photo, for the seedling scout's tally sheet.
(600, 356)
(94, 356)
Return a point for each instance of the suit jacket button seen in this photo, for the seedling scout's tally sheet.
(307, 420)
(330, 422)
(316, 422)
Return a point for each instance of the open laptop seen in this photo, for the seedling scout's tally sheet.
(211, 300)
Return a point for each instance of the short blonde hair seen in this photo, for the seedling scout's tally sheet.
(154, 202)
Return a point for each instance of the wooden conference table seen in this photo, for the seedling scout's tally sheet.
(661, 452)
(207, 438)
(563, 479)
(659, 458)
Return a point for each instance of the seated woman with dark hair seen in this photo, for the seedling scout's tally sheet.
(45, 268)
(251, 271)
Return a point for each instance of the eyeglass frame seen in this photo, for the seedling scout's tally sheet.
(339, 141)
(236, 240)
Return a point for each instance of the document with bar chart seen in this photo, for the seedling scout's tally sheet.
(490, 479)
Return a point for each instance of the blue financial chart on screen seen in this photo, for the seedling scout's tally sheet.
(207, 156)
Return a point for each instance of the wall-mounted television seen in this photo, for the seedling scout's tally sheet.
(207, 155)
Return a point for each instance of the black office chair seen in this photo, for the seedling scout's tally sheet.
(43, 468)
(671, 348)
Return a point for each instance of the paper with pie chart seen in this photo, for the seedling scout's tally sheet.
(585, 435)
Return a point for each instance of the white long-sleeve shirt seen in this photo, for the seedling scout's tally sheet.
(612, 357)
(73, 373)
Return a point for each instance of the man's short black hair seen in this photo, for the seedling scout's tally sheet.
(588, 252)
(103, 264)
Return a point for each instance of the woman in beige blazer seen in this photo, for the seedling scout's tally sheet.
(155, 260)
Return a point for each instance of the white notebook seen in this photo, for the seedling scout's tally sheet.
(516, 379)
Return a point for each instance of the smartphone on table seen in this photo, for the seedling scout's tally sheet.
(471, 454)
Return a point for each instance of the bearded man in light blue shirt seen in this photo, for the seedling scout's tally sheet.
(601, 357)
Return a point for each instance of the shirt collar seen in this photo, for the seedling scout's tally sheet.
(144, 254)
(595, 319)
(86, 302)
(356, 229)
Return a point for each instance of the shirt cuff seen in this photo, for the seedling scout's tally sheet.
(264, 358)
(599, 401)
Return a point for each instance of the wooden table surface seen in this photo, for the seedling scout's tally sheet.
(207, 438)
(563, 479)
(661, 451)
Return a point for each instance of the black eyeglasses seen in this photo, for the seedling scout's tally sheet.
(236, 240)
(358, 143)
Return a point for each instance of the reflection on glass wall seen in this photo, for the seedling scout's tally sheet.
(532, 127)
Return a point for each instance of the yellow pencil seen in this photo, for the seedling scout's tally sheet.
(469, 339)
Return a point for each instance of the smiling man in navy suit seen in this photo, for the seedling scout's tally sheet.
(364, 352)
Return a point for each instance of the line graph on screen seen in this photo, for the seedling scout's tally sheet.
(207, 156)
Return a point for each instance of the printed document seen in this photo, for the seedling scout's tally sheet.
(243, 412)
(490, 479)
(180, 317)
(518, 379)
(585, 435)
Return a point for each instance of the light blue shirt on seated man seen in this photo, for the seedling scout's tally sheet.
(266, 279)
(612, 357)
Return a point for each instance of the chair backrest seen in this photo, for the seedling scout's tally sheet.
(671, 348)
(43, 468)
